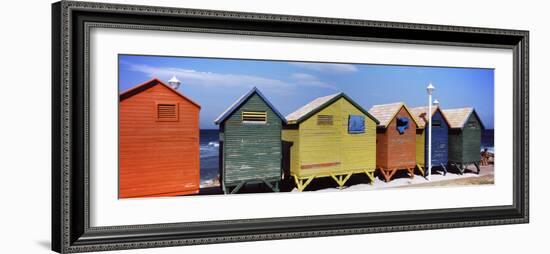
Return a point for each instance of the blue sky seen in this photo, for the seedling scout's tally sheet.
(217, 83)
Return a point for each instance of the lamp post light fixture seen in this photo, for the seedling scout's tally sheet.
(430, 89)
(174, 82)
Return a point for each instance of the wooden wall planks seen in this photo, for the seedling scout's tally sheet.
(158, 158)
(251, 151)
(395, 150)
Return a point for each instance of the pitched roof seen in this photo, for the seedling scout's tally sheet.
(386, 112)
(227, 112)
(458, 117)
(319, 104)
(419, 113)
(149, 84)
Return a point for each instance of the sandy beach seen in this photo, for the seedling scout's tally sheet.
(402, 180)
(360, 182)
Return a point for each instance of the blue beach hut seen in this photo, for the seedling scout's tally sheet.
(440, 137)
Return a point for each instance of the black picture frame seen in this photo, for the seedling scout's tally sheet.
(71, 22)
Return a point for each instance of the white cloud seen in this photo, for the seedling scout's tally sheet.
(303, 76)
(327, 67)
(210, 79)
(193, 77)
(309, 80)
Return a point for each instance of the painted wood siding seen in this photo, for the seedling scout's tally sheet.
(455, 145)
(251, 150)
(465, 144)
(471, 141)
(293, 135)
(420, 146)
(330, 149)
(395, 150)
(157, 158)
(440, 141)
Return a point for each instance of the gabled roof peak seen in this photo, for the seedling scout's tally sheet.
(227, 112)
(386, 112)
(457, 117)
(420, 114)
(149, 84)
(320, 103)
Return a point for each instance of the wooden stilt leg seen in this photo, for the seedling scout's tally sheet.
(335, 179)
(421, 169)
(462, 167)
(477, 167)
(308, 181)
(411, 172)
(239, 186)
(346, 178)
(444, 169)
(298, 183)
(385, 174)
(457, 167)
(340, 180)
(370, 174)
(271, 186)
(390, 174)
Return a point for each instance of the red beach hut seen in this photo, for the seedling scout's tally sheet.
(395, 139)
(158, 141)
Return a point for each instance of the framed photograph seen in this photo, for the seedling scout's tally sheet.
(182, 126)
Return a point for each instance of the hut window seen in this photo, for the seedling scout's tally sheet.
(167, 112)
(472, 124)
(402, 124)
(436, 123)
(324, 120)
(254, 117)
(356, 124)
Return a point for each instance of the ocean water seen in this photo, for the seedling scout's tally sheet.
(209, 154)
(488, 140)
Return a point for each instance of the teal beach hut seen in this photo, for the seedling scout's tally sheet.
(250, 143)
(465, 128)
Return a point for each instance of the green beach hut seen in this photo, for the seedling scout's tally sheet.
(250, 143)
(465, 128)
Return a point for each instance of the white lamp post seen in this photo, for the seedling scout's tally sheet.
(430, 90)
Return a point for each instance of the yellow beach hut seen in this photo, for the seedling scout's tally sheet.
(332, 136)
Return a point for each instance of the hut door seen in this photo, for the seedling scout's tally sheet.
(286, 159)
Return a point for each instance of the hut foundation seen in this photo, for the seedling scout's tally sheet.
(274, 186)
(388, 173)
(462, 167)
(339, 178)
